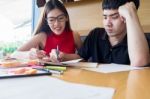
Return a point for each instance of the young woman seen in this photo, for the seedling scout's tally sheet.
(53, 32)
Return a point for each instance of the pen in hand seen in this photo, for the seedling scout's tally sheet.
(57, 52)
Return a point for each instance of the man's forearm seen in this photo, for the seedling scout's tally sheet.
(137, 44)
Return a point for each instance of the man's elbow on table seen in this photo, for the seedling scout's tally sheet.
(142, 61)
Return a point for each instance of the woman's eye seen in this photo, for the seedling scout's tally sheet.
(51, 20)
(61, 19)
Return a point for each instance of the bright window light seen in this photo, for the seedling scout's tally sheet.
(15, 23)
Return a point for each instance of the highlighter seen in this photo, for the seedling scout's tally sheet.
(59, 68)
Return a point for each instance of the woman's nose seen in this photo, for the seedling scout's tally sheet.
(56, 22)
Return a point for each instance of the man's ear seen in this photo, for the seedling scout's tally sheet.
(123, 19)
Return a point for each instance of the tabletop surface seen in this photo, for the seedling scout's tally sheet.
(128, 85)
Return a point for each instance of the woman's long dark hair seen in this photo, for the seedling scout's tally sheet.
(42, 25)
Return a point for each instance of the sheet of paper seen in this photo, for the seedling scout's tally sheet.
(21, 55)
(109, 68)
(45, 87)
(84, 65)
(77, 63)
(72, 61)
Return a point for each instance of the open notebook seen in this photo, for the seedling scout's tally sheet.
(21, 72)
(74, 63)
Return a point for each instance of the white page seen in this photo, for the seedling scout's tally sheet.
(109, 68)
(72, 61)
(84, 65)
(77, 63)
(45, 87)
(21, 55)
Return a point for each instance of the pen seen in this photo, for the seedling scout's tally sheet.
(50, 63)
(57, 52)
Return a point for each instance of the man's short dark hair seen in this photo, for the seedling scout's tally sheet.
(115, 4)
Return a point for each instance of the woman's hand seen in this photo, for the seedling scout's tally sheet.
(56, 56)
(40, 54)
(37, 54)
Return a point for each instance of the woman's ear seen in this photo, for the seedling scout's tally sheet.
(67, 18)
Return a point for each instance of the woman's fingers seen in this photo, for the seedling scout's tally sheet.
(53, 56)
(40, 54)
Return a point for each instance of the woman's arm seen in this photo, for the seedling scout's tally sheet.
(35, 42)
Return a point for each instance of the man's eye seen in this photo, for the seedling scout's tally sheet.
(115, 17)
(104, 17)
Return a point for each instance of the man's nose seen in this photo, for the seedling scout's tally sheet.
(109, 22)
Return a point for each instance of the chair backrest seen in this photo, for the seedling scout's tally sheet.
(83, 38)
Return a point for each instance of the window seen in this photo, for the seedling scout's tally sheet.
(15, 23)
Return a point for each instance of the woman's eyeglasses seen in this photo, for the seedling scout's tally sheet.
(60, 18)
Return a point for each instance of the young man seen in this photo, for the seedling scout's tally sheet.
(121, 41)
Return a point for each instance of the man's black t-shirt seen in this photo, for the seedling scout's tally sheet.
(98, 48)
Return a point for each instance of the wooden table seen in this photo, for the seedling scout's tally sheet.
(129, 85)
